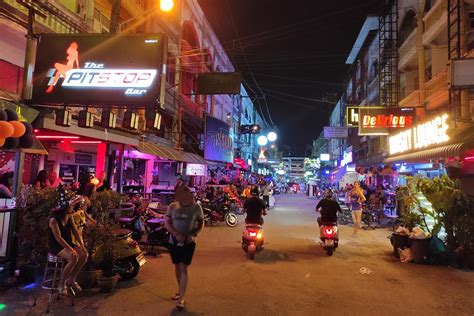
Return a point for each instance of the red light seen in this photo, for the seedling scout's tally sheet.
(86, 142)
(56, 137)
(36, 130)
(469, 158)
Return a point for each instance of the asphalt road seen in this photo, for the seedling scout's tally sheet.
(292, 276)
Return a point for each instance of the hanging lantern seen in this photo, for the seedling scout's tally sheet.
(18, 129)
(130, 120)
(108, 119)
(63, 118)
(6, 129)
(86, 120)
(2, 141)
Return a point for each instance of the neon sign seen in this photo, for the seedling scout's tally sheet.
(422, 136)
(98, 69)
(386, 120)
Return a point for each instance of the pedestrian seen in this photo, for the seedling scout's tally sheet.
(184, 220)
(357, 198)
(6, 184)
(41, 180)
(266, 194)
(53, 181)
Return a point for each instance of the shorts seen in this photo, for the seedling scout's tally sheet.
(182, 254)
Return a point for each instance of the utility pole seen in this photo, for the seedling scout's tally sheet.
(178, 80)
(115, 16)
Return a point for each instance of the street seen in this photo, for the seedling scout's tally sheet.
(292, 276)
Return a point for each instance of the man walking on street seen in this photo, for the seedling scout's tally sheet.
(184, 220)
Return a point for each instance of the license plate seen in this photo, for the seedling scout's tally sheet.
(141, 259)
(329, 242)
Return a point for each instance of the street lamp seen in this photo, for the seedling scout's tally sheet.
(262, 140)
(166, 5)
(272, 136)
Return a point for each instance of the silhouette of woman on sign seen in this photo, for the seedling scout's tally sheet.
(72, 58)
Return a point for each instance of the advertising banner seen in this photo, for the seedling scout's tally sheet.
(98, 69)
(218, 145)
(382, 121)
(334, 132)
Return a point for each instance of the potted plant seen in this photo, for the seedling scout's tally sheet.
(34, 208)
(103, 253)
(88, 276)
(104, 256)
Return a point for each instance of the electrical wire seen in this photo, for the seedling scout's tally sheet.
(248, 66)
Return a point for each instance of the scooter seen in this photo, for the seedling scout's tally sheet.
(219, 212)
(329, 237)
(127, 254)
(252, 240)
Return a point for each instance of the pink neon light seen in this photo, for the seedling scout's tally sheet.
(469, 158)
(56, 137)
(86, 142)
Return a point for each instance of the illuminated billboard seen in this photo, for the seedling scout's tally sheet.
(98, 69)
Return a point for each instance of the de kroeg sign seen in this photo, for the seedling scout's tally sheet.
(379, 120)
(98, 69)
(421, 136)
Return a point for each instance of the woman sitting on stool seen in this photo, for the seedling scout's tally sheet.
(60, 229)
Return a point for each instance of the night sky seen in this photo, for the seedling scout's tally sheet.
(296, 51)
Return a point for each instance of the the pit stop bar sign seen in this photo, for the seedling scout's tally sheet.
(98, 69)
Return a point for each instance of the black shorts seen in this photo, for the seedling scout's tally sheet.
(183, 254)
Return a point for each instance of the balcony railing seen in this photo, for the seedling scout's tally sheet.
(413, 99)
(439, 83)
(408, 50)
(435, 14)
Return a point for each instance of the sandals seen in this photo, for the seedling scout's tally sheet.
(62, 290)
(180, 304)
(175, 297)
(75, 286)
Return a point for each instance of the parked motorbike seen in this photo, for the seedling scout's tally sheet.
(128, 255)
(252, 240)
(329, 237)
(218, 212)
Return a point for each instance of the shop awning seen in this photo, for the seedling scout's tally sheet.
(192, 158)
(169, 153)
(433, 153)
(158, 150)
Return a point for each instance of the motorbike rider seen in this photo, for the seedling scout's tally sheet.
(328, 208)
(255, 208)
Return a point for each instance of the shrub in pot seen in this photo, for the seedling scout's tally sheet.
(34, 208)
(104, 254)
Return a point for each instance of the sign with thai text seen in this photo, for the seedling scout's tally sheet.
(422, 136)
(334, 132)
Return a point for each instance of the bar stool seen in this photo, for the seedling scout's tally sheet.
(51, 277)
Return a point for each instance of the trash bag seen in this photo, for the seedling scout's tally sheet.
(405, 255)
(402, 230)
(418, 233)
(437, 254)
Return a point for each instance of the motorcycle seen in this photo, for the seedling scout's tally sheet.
(329, 237)
(252, 240)
(127, 254)
(218, 212)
